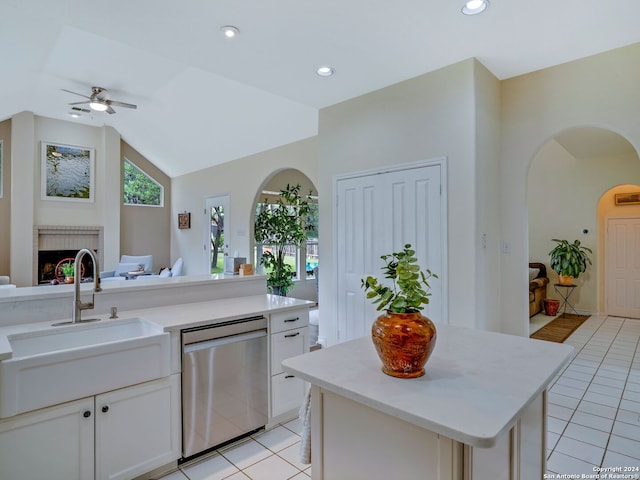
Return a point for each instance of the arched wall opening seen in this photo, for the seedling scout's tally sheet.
(569, 178)
(306, 287)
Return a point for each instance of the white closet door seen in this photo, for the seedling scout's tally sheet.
(622, 281)
(377, 214)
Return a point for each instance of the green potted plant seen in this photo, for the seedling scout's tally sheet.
(280, 226)
(569, 260)
(68, 271)
(403, 337)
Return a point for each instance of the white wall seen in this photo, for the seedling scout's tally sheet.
(598, 91)
(27, 207)
(563, 195)
(423, 118)
(241, 180)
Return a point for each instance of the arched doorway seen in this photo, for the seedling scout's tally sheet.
(565, 184)
(305, 259)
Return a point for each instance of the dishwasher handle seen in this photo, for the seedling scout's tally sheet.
(194, 347)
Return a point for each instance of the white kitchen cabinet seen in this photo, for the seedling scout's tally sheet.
(289, 337)
(137, 429)
(116, 435)
(55, 443)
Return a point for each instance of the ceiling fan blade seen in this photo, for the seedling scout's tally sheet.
(69, 91)
(121, 104)
(79, 103)
(110, 110)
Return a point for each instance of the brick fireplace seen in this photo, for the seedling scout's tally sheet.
(52, 243)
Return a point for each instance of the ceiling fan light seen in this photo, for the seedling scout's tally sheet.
(98, 106)
(473, 7)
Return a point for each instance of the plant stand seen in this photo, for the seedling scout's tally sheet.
(565, 292)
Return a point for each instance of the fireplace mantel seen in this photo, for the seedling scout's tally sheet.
(66, 237)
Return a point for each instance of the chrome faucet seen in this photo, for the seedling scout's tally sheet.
(78, 306)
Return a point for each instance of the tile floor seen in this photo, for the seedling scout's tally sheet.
(593, 415)
(593, 412)
(270, 455)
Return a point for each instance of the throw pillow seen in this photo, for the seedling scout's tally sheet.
(165, 273)
(533, 273)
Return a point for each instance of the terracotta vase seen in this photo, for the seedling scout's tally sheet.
(69, 279)
(565, 280)
(404, 342)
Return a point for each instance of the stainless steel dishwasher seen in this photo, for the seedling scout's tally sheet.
(224, 383)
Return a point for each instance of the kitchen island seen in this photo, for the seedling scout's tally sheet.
(477, 413)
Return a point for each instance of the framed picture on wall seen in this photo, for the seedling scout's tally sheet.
(627, 198)
(67, 172)
(184, 220)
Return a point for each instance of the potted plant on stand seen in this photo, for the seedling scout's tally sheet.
(403, 337)
(569, 260)
(278, 227)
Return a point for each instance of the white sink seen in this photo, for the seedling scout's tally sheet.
(65, 363)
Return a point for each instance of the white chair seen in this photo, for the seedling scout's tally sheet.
(129, 263)
(4, 282)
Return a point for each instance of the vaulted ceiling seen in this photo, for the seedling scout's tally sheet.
(204, 99)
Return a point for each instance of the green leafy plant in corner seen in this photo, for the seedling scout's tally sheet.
(410, 285)
(67, 269)
(569, 259)
(279, 226)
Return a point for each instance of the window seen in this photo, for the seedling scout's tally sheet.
(216, 212)
(139, 188)
(302, 260)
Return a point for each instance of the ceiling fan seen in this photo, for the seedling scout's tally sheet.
(99, 100)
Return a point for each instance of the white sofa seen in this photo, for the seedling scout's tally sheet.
(128, 263)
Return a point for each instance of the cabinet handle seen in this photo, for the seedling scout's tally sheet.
(105, 409)
(292, 335)
(87, 414)
(292, 320)
(290, 376)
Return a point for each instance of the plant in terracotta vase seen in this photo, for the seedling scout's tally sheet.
(278, 227)
(403, 337)
(68, 271)
(569, 260)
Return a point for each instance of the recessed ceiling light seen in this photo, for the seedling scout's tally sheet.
(229, 31)
(473, 7)
(325, 71)
(74, 115)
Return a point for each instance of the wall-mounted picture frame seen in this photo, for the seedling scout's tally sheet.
(184, 220)
(627, 198)
(67, 173)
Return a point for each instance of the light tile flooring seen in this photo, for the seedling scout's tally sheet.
(270, 455)
(593, 415)
(593, 412)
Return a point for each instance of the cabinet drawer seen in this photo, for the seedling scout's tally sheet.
(287, 344)
(287, 393)
(287, 320)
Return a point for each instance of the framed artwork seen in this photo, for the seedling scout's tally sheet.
(627, 198)
(184, 220)
(67, 172)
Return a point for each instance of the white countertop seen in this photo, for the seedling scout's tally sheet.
(138, 284)
(476, 384)
(178, 317)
